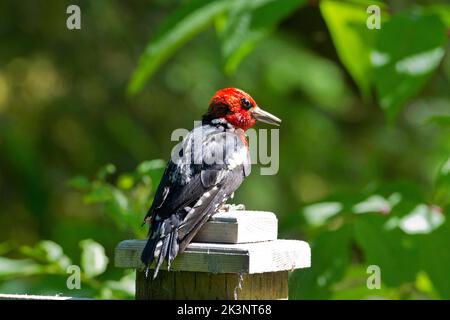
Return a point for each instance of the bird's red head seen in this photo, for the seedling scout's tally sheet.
(238, 108)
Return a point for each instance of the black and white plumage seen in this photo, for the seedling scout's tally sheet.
(193, 187)
(209, 165)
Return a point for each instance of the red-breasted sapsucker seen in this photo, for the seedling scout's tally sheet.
(210, 164)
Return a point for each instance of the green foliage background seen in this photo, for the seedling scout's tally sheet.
(364, 174)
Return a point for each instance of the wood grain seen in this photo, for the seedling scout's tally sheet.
(200, 285)
(259, 257)
(239, 227)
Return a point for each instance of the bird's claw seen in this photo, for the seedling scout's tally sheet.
(231, 207)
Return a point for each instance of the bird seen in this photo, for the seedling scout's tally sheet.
(209, 164)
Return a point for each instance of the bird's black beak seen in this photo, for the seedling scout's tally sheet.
(264, 116)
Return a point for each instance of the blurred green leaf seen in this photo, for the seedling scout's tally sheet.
(441, 120)
(106, 171)
(423, 219)
(99, 193)
(354, 286)
(125, 288)
(392, 250)
(403, 64)
(125, 181)
(148, 166)
(424, 284)
(317, 214)
(48, 252)
(444, 172)
(93, 258)
(5, 247)
(441, 194)
(377, 203)
(10, 268)
(330, 258)
(346, 22)
(435, 258)
(298, 68)
(442, 11)
(79, 182)
(248, 23)
(179, 28)
(154, 169)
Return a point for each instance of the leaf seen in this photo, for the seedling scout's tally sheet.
(5, 247)
(442, 186)
(377, 203)
(423, 219)
(179, 28)
(297, 68)
(444, 173)
(125, 288)
(393, 251)
(152, 168)
(79, 182)
(125, 181)
(435, 258)
(352, 39)
(248, 23)
(100, 193)
(93, 258)
(402, 64)
(106, 171)
(11, 268)
(442, 120)
(354, 286)
(330, 258)
(317, 214)
(442, 11)
(147, 166)
(48, 252)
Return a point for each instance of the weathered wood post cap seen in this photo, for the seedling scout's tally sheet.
(243, 266)
(256, 257)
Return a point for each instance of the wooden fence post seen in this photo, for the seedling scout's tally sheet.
(235, 256)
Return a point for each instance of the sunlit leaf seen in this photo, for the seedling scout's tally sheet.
(179, 28)
(125, 288)
(346, 22)
(442, 11)
(10, 268)
(93, 258)
(317, 214)
(248, 23)
(47, 251)
(354, 286)
(147, 166)
(152, 168)
(423, 219)
(403, 63)
(125, 181)
(377, 203)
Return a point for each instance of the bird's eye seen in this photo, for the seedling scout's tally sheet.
(246, 104)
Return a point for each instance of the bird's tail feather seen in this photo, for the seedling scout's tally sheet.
(162, 244)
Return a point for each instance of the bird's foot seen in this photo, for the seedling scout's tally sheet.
(231, 207)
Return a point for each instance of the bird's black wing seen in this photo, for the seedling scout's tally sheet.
(192, 189)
